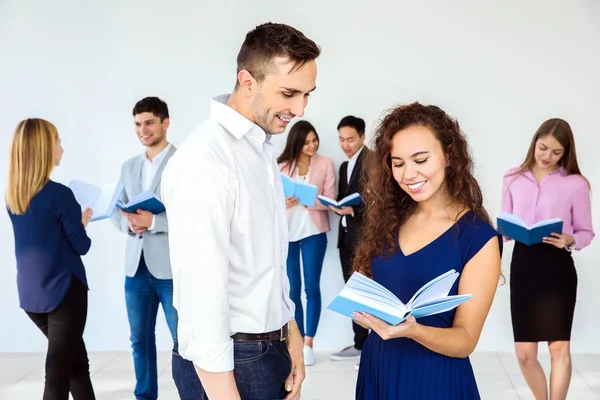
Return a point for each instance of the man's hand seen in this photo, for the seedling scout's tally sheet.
(295, 345)
(347, 210)
(138, 222)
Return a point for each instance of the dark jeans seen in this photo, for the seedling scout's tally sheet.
(143, 294)
(67, 365)
(260, 370)
(346, 258)
(313, 252)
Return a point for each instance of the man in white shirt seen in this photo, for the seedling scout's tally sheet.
(228, 229)
(148, 280)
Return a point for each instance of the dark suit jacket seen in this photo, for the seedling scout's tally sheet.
(353, 223)
(49, 242)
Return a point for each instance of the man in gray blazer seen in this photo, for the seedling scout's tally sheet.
(148, 280)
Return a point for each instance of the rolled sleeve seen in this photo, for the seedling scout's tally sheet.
(200, 205)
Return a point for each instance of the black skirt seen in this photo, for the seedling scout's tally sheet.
(543, 291)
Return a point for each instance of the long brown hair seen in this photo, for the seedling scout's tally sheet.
(294, 144)
(561, 131)
(387, 205)
(32, 159)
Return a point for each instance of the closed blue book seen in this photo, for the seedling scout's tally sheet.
(101, 199)
(304, 192)
(515, 228)
(146, 201)
(350, 200)
(361, 294)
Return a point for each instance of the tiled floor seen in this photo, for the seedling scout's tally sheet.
(498, 377)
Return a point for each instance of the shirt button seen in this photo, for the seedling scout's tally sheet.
(140, 236)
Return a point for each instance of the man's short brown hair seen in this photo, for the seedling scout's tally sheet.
(268, 41)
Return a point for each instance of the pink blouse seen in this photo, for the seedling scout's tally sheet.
(558, 195)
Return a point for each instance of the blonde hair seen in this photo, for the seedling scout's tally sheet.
(31, 161)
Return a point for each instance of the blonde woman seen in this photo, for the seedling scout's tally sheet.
(50, 238)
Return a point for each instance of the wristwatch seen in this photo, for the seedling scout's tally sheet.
(571, 246)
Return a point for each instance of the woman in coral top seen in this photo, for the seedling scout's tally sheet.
(307, 225)
(543, 280)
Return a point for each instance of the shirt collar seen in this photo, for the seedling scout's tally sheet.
(157, 158)
(561, 172)
(233, 121)
(355, 156)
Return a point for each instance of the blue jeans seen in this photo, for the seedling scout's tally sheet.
(143, 293)
(260, 370)
(313, 252)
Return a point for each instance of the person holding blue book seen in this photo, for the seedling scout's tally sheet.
(50, 238)
(148, 280)
(424, 217)
(308, 226)
(543, 280)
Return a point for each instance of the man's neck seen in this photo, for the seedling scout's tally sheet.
(153, 151)
(238, 103)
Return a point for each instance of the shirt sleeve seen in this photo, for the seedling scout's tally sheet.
(200, 205)
(68, 212)
(328, 186)
(581, 214)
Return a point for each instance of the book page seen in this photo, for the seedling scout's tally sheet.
(546, 222)
(328, 200)
(350, 197)
(86, 194)
(440, 305)
(513, 219)
(145, 195)
(420, 294)
(106, 200)
(361, 283)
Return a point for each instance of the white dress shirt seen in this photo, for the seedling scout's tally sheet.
(351, 164)
(149, 170)
(228, 237)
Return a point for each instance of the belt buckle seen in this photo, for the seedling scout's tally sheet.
(283, 337)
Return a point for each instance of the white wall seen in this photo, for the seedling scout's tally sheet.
(500, 68)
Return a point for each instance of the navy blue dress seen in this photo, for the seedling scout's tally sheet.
(402, 368)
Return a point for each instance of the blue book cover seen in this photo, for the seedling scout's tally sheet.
(361, 294)
(146, 201)
(305, 193)
(101, 199)
(515, 228)
(350, 200)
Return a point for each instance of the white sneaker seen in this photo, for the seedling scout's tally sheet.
(309, 355)
(356, 366)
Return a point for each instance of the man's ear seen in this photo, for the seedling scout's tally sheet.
(247, 82)
(166, 122)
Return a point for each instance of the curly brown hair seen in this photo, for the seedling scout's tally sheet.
(387, 205)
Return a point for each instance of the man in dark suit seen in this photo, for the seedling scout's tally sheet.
(351, 132)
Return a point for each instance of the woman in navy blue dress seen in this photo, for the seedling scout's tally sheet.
(424, 217)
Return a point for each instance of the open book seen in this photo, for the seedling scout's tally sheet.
(101, 199)
(146, 201)
(515, 228)
(349, 200)
(304, 192)
(362, 294)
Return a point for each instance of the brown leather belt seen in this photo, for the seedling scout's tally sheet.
(278, 335)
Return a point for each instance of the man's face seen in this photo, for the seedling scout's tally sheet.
(350, 140)
(283, 95)
(150, 130)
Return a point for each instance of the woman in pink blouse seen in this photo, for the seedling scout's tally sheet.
(307, 225)
(543, 279)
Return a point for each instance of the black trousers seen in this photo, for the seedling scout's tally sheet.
(346, 257)
(67, 366)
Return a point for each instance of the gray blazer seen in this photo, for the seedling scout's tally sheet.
(154, 243)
